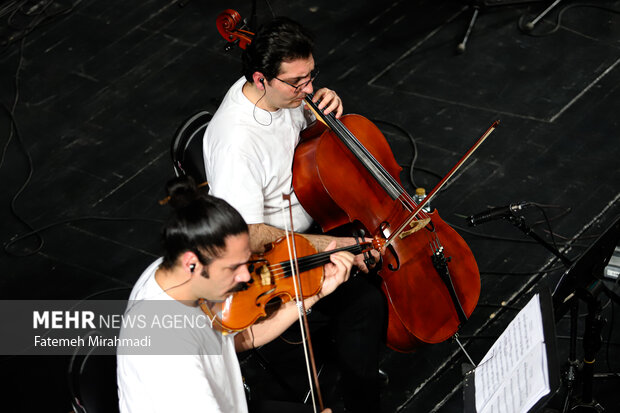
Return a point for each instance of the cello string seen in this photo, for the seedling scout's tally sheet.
(406, 199)
(403, 195)
(364, 156)
(387, 181)
(345, 136)
(363, 153)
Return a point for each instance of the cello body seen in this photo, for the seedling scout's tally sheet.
(337, 189)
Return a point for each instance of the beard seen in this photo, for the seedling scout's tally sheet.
(242, 286)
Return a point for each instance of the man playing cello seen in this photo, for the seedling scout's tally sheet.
(248, 151)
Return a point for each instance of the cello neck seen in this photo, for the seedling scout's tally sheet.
(374, 167)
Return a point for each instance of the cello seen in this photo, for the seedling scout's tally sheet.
(430, 294)
(429, 275)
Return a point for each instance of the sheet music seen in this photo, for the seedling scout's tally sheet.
(513, 375)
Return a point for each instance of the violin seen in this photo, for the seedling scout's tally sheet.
(344, 173)
(272, 277)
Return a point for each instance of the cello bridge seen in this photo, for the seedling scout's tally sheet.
(415, 227)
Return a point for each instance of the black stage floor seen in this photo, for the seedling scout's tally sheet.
(97, 89)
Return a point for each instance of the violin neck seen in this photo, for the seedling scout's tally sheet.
(316, 260)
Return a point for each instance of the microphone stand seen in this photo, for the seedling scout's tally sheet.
(571, 372)
(519, 222)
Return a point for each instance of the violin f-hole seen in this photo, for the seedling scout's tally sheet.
(264, 294)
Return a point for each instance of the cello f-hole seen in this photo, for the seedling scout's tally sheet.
(382, 228)
(395, 255)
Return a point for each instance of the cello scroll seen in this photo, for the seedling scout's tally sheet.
(227, 22)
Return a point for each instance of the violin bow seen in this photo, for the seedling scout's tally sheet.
(301, 313)
(441, 183)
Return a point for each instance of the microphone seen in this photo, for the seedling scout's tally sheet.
(496, 213)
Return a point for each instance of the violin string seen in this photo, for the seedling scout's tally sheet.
(321, 257)
(282, 270)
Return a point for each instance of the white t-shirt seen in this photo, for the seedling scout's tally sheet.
(248, 156)
(205, 381)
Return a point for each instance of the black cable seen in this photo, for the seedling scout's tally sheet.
(14, 131)
(412, 167)
(66, 221)
(430, 172)
(611, 329)
(524, 29)
(552, 269)
(546, 220)
(526, 241)
(38, 13)
(507, 239)
(413, 144)
(18, 138)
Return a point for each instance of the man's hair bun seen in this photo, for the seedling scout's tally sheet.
(182, 191)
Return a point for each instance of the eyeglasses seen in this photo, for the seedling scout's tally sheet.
(300, 86)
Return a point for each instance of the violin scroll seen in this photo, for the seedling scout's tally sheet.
(378, 244)
(227, 22)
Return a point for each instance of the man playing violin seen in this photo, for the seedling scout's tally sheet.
(206, 250)
(248, 150)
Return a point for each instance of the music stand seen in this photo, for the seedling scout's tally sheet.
(584, 281)
(588, 268)
(518, 357)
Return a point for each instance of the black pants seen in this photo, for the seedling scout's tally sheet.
(348, 330)
(356, 315)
